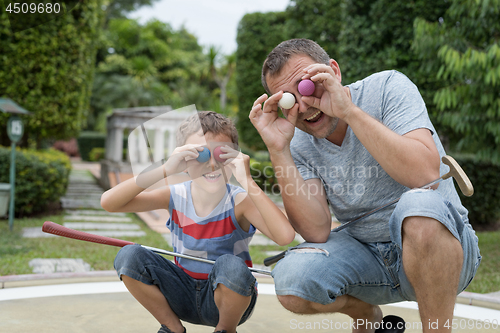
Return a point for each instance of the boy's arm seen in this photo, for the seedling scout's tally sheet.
(257, 208)
(129, 196)
(264, 215)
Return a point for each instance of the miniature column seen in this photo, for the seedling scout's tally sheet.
(159, 144)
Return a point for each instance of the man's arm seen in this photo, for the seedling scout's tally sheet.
(411, 159)
(308, 213)
(305, 201)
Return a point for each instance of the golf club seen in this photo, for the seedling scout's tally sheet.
(456, 172)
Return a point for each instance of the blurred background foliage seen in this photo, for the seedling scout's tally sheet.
(72, 72)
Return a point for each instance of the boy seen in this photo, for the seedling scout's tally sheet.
(208, 218)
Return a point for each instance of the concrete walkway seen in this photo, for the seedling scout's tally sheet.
(102, 304)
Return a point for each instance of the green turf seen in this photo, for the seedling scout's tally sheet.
(16, 252)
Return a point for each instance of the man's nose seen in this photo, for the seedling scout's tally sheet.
(303, 106)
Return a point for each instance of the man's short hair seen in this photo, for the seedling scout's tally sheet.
(280, 55)
(207, 121)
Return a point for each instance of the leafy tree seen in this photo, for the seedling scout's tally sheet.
(463, 51)
(120, 8)
(149, 64)
(49, 70)
(377, 35)
(258, 34)
(221, 72)
(318, 20)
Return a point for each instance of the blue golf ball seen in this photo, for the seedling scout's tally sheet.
(204, 155)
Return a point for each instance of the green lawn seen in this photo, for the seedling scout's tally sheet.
(16, 252)
(487, 279)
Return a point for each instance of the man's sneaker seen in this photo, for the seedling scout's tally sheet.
(164, 329)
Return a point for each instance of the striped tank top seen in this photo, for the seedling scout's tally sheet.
(206, 237)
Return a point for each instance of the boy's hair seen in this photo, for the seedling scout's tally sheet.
(280, 55)
(208, 121)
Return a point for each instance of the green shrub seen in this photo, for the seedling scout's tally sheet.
(41, 177)
(87, 141)
(97, 154)
(484, 205)
(263, 174)
(49, 70)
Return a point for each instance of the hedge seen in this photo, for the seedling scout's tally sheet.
(484, 205)
(41, 177)
(263, 174)
(258, 34)
(87, 141)
(49, 71)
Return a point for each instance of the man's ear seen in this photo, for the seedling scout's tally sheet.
(336, 69)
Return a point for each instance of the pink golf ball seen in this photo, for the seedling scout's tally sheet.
(217, 153)
(306, 87)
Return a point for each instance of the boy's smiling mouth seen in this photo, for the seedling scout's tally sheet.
(212, 176)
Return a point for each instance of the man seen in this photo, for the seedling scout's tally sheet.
(357, 147)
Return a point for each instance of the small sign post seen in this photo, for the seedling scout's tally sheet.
(15, 131)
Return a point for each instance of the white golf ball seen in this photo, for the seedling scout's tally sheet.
(287, 101)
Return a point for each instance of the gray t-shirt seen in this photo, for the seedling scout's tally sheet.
(354, 181)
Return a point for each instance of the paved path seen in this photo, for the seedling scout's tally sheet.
(83, 211)
(82, 206)
(104, 305)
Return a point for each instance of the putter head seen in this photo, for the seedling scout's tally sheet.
(460, 177)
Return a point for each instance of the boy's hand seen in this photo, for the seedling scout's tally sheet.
(239, 164)
(181, 158)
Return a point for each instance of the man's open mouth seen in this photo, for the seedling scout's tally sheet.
(315, 117)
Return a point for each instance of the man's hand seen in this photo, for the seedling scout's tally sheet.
(274, 130)
(334, 101)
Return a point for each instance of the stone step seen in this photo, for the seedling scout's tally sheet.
(100, 226)
(68, 203)
(119, 233)
(81, 180)
(98, 218)
(35, 232)
(85, 188)
(82, 194)
(60, 265)
(93, 212)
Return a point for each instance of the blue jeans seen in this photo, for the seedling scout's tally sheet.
(371, 272)
(191, 300)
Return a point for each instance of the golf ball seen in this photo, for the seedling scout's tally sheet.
(204, 155)
(287, 101)
(306, 87)
(217, 153)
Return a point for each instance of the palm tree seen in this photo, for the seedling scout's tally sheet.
(221, 73)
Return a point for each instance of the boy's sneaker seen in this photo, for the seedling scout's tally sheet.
(164, 329)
